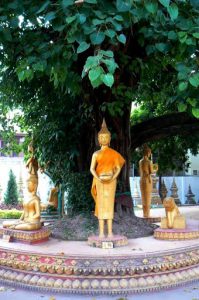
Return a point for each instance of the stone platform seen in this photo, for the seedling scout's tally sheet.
(145, 264)
(107, 242)
(27, 237)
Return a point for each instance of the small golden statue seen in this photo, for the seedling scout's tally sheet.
(105, 167)
(53, 199)
(145, 170)
(173, 217)
(30, 219)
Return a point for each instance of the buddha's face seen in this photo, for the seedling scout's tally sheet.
(31, 186)
(104, 139)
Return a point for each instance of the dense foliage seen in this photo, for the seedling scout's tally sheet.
(11, 195)
(66, 65)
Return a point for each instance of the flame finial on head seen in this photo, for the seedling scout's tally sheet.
(104, 129)
(146, 149)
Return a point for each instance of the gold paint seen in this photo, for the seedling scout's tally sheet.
(145, 170)
(105, 167)
(173, 217)
(30, 219)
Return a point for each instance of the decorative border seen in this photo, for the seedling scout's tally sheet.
(166, 234)
(100, 275)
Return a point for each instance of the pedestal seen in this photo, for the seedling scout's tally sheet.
(107, 243)
(27, 237)
(176, 234)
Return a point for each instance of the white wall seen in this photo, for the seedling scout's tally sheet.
(182, 183)
(17, 165)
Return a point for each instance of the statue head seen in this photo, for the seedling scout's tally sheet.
(146, 150)
(104, 136)
(169, 203)
(30, 147)
(32, 183)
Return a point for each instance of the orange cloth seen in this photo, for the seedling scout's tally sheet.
(104, 193)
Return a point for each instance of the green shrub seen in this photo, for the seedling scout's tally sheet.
(10, 214)
(11, 195)
(78, 188)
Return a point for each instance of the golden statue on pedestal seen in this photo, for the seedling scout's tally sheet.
(173, 219)
(30, 219)
(145, 170)
(105, 168)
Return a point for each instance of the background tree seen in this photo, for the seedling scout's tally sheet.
(67, 65)
(11, 195)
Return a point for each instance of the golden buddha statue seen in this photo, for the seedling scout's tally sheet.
(105, 167)
(173, 217)
(30, 219)
(145, 170)
(53, 199)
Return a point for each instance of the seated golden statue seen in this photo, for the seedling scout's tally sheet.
(145, 170)
(52, 201)
(30, 219)
(105, 168)
(173, 217)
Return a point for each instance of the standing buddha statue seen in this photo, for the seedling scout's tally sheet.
(145, 170)
(105, 167)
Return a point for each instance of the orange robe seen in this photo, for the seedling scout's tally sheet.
(104, 193)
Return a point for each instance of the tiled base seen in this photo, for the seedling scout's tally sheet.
(85, 270)
(176, 234)
(27, 237)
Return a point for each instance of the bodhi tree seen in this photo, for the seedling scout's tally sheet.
(68, 63)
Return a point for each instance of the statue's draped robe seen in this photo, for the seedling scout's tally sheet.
(104, 193)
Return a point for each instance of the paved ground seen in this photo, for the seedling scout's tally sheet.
(189, 292)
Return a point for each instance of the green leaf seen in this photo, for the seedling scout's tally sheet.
(96, 82)
(192, 101)
(151, 6)
(108, 79)
(70, 19)
(195, 112)
(165, 3)
(196, 35)
(119, 18)
(95, 73)
(182, 107)
(121, 38)
(123, 5)
(50, 16)
(183, 86)
(92, 61)
(110, 33)
(194, 80)
(172, 35)
(43, 7)
(182, 36)
(107, 53)
(173, 11)
(67, 3)
(97, 38)
(82, 18)
(110, 64)
(162, 47)
(195, 3)
(83, 46)
(97, 22)
(91, 1)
